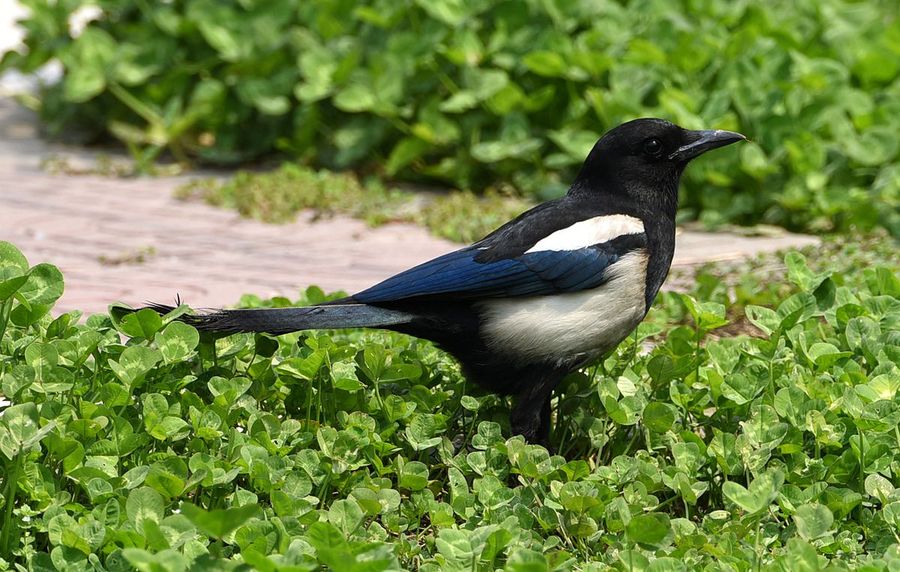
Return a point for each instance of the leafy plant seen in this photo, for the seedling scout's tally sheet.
(682, 450)
(479, 94)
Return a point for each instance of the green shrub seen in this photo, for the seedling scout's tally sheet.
(482, 93)
(369, 451)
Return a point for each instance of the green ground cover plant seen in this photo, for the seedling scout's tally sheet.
(277, 196)
(751, 425)
(485, 94)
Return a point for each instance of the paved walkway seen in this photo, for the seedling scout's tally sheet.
(92, 226)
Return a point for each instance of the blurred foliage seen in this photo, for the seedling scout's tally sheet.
(479, 93)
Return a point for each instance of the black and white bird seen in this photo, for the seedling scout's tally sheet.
(544, 294)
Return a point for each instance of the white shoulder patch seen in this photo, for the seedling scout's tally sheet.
(589, 232)
(569, 327)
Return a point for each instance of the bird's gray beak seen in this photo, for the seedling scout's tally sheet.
(702, 141)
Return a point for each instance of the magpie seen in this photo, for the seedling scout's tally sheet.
(544, 294)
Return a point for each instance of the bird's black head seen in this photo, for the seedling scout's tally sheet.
(643, 159)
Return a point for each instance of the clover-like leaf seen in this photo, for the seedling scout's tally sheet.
(134, 363)
(649, 530)
(220, 522)
(759, 496)
(800, 274)
(141, 324)
(414, 475)
(813, 521)
(43, 287)
(177, 341)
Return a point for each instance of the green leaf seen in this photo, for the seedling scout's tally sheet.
(813, 521)
(459, 102)
(143, 504)
(576, 143)
(659, 417)
(13, 270)
(450, 12)
(9, 286)
(20, 429)
(414, 476)
(330, 545)
(546, 63)
(267, 95)
(87, 61)
(707, 315)
(169, 428)
(405, 152)
(177, 342)
(84, 82)
(167, 560)
(222, 38)
(346, 515)
(218, 523)
(41, 357)
(11, 258)
(484, 83)
(25, 315)
(879, 487)
(759, 496)
(862, 333)
(825, 355)
(343, 376)
(891, 514)
(302, 368)
(227, 390)
(800, 274)
(649, 530)
(134, 363)
(763, 318)
(44, 285)
(422, 432)
(141, 324)
(495, 151)
(355, 98)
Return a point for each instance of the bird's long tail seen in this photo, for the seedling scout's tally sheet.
(284, 320)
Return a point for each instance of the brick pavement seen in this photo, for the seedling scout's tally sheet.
(208, 255)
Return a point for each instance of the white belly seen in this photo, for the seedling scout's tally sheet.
(567, 327)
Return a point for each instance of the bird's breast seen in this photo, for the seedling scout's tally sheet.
(570, 327)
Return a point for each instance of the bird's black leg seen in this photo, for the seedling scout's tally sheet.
(530, 416)
(544, 427)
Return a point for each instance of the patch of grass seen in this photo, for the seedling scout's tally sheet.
(278, 196)
(368, 450)
(135, 256)
(463, 216)
(105, 165)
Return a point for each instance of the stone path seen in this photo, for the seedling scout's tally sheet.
(91, 226)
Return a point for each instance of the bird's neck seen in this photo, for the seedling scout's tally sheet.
(660, 231)
(655, 206)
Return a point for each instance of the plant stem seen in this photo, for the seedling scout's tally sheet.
(697, 356)
(758, 563)
(862, 464)
(12, 490)
(5, 310)
(632, 441)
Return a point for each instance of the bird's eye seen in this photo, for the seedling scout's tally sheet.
(653, 147)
